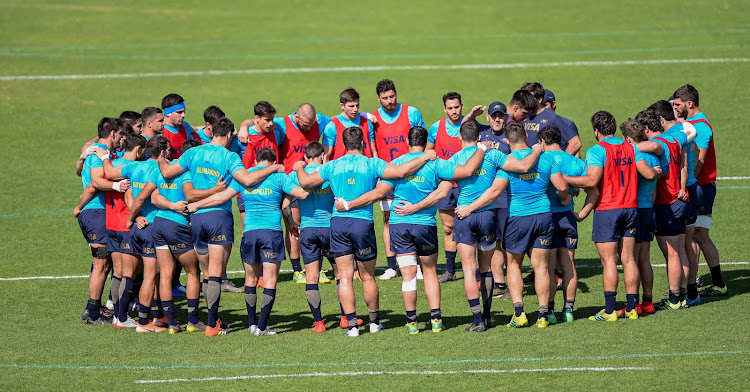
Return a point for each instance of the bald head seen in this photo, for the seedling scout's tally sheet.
(305, 117)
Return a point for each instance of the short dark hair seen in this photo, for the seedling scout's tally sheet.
(550, 134)
(133, 140)
(452, 95)
(417, 137)
(515, 133)
(130, 115)
(222, 126)
(156, 145)
(649, 118)
(687, 93)
(265, 154)
(171, 100)
(353, 138)
(663, 109)
(264, 109)
(212, 112)
(348, 95)
(124, 126)
(106, 126)
(524, 99)
(535, 88)
(470, 131)
(148, 113)
(604, 122)
(385, 85)
(190, 143)
(633, 129)
(313, 149)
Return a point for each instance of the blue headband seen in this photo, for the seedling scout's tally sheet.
(174, 108)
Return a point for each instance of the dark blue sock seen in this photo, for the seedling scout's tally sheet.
(674, 296)
(609, 301)
(193, 310)
(156, 309)
(631, 301)
(486, 284)
(392, 262)
(296, 266)
(143, 310)
(435, 314)
(518, 308)
(717, 279)
(476, 310)
(93, 307)
(267, 300)
(251, 297)
(169, 312)
(176, 275)
(351, 318)
(312, 292)
(692, 291)
(411, 316)
(450, 261)
(213, 296)
(125, 298)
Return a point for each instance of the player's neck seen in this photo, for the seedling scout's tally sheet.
(353, 152)
(147, 132)
(219, 141)
(692, 112)
(552, 147)
(415, 149)
(167, 122)
(344, 115)
(539, 110)
(669, 124)
(391, 111)
(106, 142)
(130, 155)
(457, 122)
(255, 128)
(518, 146)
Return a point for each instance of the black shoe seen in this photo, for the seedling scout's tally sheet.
(475, 328)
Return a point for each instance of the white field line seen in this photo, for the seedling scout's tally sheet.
(733, 178)
(375, 68)
(393, 373)
(63, 277)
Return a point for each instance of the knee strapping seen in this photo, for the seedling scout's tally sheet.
(703, 221)
(99, 252)
(487, 248)
(409, 285)
(201, 251)
(406, 261)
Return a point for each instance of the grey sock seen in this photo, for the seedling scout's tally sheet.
(313, 298)
(116, 289)
(265, 300)
(213, 291)
(569, 304)
(251, 299)
(374, 316)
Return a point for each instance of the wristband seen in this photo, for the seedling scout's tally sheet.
(482, 146)
(104, 156)
(116, 186)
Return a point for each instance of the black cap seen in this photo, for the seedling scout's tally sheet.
(549, 96)
(497, 106)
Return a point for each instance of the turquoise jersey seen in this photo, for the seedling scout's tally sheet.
(419, 185)
(471, 188)
(645, 187)
(139, 173)
(202, 133)
(415, 117)
(452, 130)
(171, 190)
(676, 134)
(207, 164)
(351, 176)
(527, 193)
(92, 161)
(328, 137)
(570, 166)
(263, 201)
(315, 210)
(596, 155)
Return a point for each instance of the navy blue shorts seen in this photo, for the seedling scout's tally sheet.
(450, 202)
(262, 246)
(613, 225)
(353, 236)
(119, 242)
(531, 231)
(565, 233)
(143, 240)
(215, 227)
(390, 195)
(479, 227)
(709, 195)
(93, 225)
(646, 225)
(671, 219)
(409, 238)
(501, 221)
(696, 203)
(294, 203)
(169, 233)
(315, 243)
(240, 204)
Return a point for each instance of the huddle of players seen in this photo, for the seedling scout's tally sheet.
(414, 185)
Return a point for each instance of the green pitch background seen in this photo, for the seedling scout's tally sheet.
(560, 44)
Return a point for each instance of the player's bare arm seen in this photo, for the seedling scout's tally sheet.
(393, 172)
(515, 165)
(593, 176)
(365, 199)
(256, 176)
(468, 169)
(192, 194)
(406, 208)
(213, 200)
(648, 172)
(306, 180)
(488, 197)
(563, 193)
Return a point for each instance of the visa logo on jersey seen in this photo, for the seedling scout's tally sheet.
(448, 153)
(299, 149)
(394, 140)
(623, 161)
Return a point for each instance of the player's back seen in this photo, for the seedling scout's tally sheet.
(528, 191)
(263, 201)
(351, 176)
(208, 164)
(569, 166)
(471, 188)
(646, 187)
(91, 162)
(316, 209)
(171, 190)
(416, 187)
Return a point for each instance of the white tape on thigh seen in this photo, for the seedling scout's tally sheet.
(201, 251)
(486, 248)
(406, 261)
(409, 285)
(385, 204)
(703, 221)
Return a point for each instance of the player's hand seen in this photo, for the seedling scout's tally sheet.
(293, 230)
(298, 165)
(477, 110)
(121, 186)
(192, 207)
(243, 135)
(405, 208)
(220, 186)
(658, 170)
(537, 148)
(142, 222)
(96, 150)
(682, 195)
(76, 212)
(578, 217)
(341, 204)
(279, 168)
(371, 117)
(431, 155)
(463, 211)
(180, 207)
(487, 145)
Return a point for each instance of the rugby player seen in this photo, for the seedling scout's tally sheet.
(176, 129)
(332, 138)
(153, 122)
(542, 117)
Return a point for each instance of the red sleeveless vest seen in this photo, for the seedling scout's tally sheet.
(177, 139)
(668, 186)
(339, 150)
(257, 142)
(446, 145)
(619, 184)
(293, 148)
(391, 139)
(707, 174)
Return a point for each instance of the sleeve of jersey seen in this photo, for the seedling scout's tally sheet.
(186, 177)
(235, 186)
(704, 136)
(595, 156)
(502, 174)
(446, 169)
(286, 183)
(377, 166)
(566, 130)
(185, 158)
(234, 146)
(498, 158)
(639, 154)
(325, 170)
(293, 178)
(329, 135)
(554, 166)
(127, 170)
(323, 121)
(415, 117)
(372, 131)
(234, 163)
(432, 133)
(153, 177)
(94, 161)
(580, 167)
(280, 131)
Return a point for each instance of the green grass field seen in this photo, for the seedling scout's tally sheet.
(619, 57)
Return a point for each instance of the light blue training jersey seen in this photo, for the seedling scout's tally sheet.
(139, 173)
(316, 209)
(171, 190)
(471, 188)
(570, 166)
(91, 162)
(351, 176)
(329, 132)
(207, 164)
(415, 117)
(645, 187)
(450, 129)
(263, 201)
(528, 192)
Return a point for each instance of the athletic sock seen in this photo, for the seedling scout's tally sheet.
(637, 298)
(435, 314)
(157, 309)
(251, 298)
(609, 301)
(486, 283)
(213, 296)
(351, 319)
(169, 312)
(518, 308)
(544, 312)
(411, 316)
(176, 276)
(392, 262)
(192, 305)
(296, 266)
(93, 306)
(312, 292)
(692, 291)
(266, 305)
(450, 262)
(143, 313)
(674, 296)
(551, 306)
(716, 278)
(126, 290)
(631, 301)
(476, 310)
(374, 316)
(569, 303)
(114, 294)
(683, 293)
